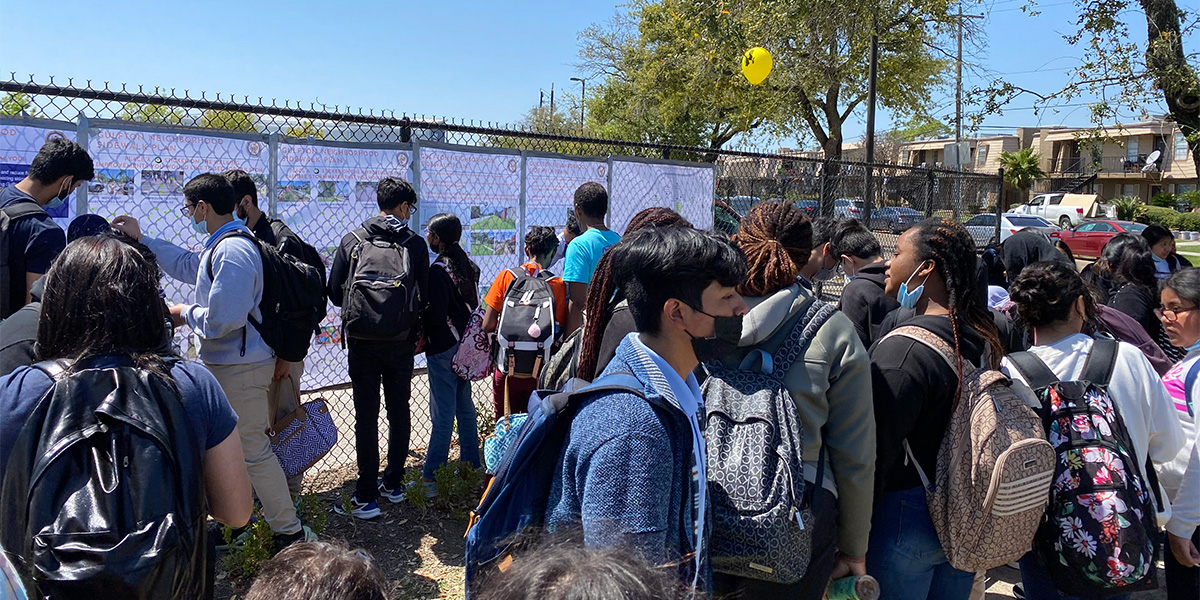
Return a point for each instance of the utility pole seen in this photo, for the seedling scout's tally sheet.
(541, 98)
(552, 100)
(869, 195)
(958, 109)
(582, 99)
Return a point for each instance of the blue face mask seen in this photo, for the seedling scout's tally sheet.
(1193, 347)
(200, 227)
(58, 200)
(909, 299)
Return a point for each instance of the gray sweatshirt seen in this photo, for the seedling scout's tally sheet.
(832, 389)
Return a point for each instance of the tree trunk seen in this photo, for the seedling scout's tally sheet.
(1168, 65)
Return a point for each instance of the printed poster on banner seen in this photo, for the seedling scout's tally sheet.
(550, 185)
(685, 189)
(142, 174)
(325, 192)
(484, 190)
(18, 145)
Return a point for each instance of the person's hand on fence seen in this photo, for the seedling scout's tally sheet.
(177, 315)
(128, 226)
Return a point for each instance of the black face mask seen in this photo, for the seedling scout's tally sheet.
(727, 332)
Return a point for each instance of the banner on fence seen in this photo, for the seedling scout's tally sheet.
(324, 192)
(18, 145)
(685, 188)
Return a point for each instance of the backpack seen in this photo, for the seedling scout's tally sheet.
(473, 360)
(381, 300)
(307, 254)
(104, 492)
(1099, 537)
(516, 498)
(994, 468)
(9, 216)
(293, 300)
(1124, 328)
(762, 516)
(525, 334)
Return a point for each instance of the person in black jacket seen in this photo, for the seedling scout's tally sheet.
(453, 294)
(863, 298)
(1135, 292)
(390, 362)
(934, 275)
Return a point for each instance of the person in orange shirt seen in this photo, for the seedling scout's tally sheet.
(541, 244)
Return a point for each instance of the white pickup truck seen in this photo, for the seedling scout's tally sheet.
(1067, 210)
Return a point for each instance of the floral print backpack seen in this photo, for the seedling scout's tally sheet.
(1099, 535)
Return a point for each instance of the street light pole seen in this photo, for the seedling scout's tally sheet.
(582, 99)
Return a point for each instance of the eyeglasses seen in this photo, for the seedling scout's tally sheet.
(187, 209)
(1171, 315)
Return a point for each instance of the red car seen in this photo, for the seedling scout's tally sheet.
(1088, 238)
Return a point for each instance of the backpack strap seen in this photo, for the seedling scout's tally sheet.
(21, 210)
(930, 340)
(209, 269)
(1035, 372)
(1099, 365)
(801, 336)
(54, 369)
(1189, 383)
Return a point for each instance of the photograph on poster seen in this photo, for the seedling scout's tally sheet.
(113, 182)
(333, 191)
(163, 183)
(295, 191)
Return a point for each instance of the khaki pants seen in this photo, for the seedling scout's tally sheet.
(246, 387)
(289, 400)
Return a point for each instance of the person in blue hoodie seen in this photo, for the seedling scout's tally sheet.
(230, 346)
(632, 473)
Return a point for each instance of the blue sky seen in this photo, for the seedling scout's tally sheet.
(466, 60)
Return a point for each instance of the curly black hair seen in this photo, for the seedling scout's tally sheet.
(1045, 292)
(541, 242)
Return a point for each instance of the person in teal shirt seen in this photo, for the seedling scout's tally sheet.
(591, 205)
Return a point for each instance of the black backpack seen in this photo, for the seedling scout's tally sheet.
(380, 297)
(293, 300)
(103, 492)
(9, 215)
(307, 254)
(525, 335)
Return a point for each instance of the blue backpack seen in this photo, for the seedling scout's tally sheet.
(517, 496)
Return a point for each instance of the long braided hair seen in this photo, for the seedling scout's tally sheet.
(952, 250)
(463, 271)
(602, 291)
(776, 238)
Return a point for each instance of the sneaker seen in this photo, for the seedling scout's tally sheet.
(395, 496)
(430, 488)
(1018, 592)
(362, 510)
(305, 534)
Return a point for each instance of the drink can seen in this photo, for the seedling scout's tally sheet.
(862, 587)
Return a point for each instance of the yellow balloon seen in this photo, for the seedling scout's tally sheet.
(756, 65)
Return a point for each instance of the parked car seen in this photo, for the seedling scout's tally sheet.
(1067, 210)
(1088, 239)
(848, 208)
(894, 219)
(983, 227)
(810, 207)
(741, 204)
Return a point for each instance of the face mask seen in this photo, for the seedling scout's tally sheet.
(199, 227)
(60, 198)
(1193, 347)
(846, 271)
(909, 299)
(823, 274)
(727, 332)
(238, 220)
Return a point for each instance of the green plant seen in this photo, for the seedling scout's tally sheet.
(1157, 215)
(311, 511)
(1192, 198)
(1127, 207)
(1164, 200)
(1021, 169)
(415, 489)
(1189, 221)
(458, 487)
(256, 546)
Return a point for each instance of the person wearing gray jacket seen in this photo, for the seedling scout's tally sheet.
(831, 386)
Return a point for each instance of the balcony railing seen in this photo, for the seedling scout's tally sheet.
(1108, 164)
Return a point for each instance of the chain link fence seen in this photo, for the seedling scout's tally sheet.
(317, 167)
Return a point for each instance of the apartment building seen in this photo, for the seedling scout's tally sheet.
(984, 158)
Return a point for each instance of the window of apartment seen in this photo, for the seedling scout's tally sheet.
(1131, 149)
(1129, 189)
(981, 154)
(1181, 188)
(1181, 147)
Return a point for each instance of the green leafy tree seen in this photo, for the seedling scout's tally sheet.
(1128, 75)
(1021, 169)
(152, 113)
(17, 104)
(557, 122)
(671, 68)
(228, 120)
(306, 128)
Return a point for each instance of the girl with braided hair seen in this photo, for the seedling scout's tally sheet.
(608, 319)
(933, 273)
(830, 383)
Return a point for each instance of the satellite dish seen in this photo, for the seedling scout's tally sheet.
(1152, 162)
(1154, 156)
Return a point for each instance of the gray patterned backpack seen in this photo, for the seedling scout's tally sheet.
(762, 520)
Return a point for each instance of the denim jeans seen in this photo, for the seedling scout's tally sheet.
(1038, 584)
(449, 401)
(370, 364)
(905, 554)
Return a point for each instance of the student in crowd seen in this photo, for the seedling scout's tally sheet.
(863, 299)
(633, 472)
(230, 346)
(564, 571)
(831, 385)
(1055, 303)
(571, 231)
(1180, 316)
(1162, 246)
(1099, 275)
(19, 330)
(34, 239)
(591, 205)
(453, 285)
(320, 571)
(609, 320)
(540, 246)
(1135, 292)
(389, 362)
(1026, 247)
(934, 275)
(101, 308)
(822, 262)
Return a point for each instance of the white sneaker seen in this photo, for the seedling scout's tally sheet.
(362, 510)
